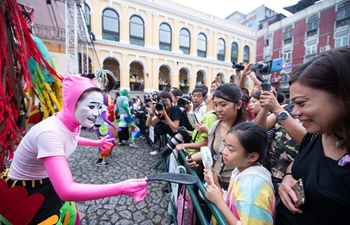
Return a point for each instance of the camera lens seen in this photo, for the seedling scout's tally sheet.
(160, 105)
(181, 102)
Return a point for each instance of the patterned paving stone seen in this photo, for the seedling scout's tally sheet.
(124, 163)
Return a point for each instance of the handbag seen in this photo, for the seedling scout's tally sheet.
(185, 211)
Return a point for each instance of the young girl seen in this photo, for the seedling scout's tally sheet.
(250, 198)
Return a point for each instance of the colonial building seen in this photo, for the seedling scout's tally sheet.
(311, 30)
(148, 41)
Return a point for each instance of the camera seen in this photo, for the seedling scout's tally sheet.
(180, 136)
(160, 105)
(262, 68)
(183, 101)
(238, 66)
(147, 98)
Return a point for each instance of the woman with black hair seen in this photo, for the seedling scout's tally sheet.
(319, 90)
(231, 110)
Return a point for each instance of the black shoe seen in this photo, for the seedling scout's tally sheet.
(165, 188)
(99, 161)
(102, 163)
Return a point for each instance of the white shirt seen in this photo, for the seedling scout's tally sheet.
(200, 110)
(48, 138)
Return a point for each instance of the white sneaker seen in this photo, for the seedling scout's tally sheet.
(133, 145)
(154, 152)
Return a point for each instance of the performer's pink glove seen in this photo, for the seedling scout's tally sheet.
(135, 188)
(68, 190)
(95, 143)
(105, 140)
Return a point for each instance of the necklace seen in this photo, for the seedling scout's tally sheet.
(337, 143)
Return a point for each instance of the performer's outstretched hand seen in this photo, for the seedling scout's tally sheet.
(135, 188)
(105, 140)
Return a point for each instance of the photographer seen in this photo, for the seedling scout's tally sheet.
(175, 95)
(164, 112)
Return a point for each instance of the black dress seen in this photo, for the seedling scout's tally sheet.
(326, 185)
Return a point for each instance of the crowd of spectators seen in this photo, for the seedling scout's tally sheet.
(261, 138)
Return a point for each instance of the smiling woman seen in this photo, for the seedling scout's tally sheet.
(320, 92)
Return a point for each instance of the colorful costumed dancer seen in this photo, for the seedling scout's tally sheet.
(126, 120)
(103, 126)
(40, 167)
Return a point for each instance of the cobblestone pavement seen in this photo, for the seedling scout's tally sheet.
(124, 163)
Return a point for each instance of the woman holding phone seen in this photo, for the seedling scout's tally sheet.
(320, 93)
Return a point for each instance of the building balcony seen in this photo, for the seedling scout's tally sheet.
(309, 56)
(342, 23)
(48, 32)
(284, 85)
(311, 33)
(287, 41)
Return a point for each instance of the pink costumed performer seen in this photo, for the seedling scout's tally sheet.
(40, 165)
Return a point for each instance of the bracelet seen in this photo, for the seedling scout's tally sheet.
(286, 174)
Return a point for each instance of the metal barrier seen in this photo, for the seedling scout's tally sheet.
(201, 216)
(197, 206)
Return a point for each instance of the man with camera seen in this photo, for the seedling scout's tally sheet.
(164, 115)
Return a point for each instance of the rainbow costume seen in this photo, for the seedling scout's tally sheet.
(126, 121)
(104, 127)
(250, 196)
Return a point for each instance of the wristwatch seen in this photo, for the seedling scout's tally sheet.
(282, 115)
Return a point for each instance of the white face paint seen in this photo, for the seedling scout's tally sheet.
(89, 109)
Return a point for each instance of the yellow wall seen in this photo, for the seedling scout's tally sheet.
(154, 12)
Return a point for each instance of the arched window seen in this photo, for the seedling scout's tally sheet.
(221, 50)
(165, 37)
(110, 25)
(202, 45)
(185, 41)
(246, 54)
(137, 31)
(87, 16)
(234, 52)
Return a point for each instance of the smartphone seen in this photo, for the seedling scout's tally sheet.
(194, 118)
(298, 188)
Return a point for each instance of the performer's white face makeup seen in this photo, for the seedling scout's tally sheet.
(88, 109)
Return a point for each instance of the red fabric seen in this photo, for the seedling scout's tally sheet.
(252, 116)
(111, 112)
(16, 207)
(34, 119)
(18, 46)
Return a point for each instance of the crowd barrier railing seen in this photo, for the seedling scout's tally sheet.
(196, 204)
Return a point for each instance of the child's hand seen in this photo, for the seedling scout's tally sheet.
(190, 162)
(214, 194)
(215, 177)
